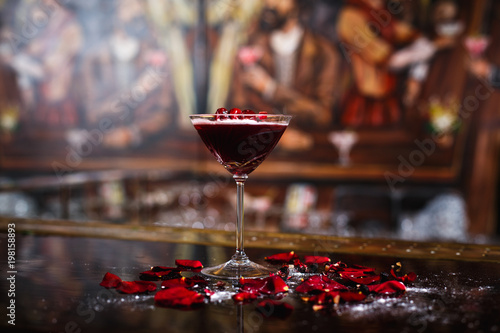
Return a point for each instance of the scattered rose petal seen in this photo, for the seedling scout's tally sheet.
(334, 297)
(198, 280)
(178, 297)
(318, 260)
(282, 258)
(410, 277)
(361, 280)
(407, 278)
(270, 285)
(274, 309)
(343, 267)
(173, 283)
(163, 268)
(319, 283)
(355, 273)
(110, 280)
(208, 292)
(245, 297)
(331, 297)
(190, 264)
(352, 296)
(299, 266)
(389, 287)
(283, 272)
(136, 287)
(221, 285)
(160, 275)
(184, 282)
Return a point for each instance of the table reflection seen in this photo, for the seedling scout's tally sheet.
(58, 291)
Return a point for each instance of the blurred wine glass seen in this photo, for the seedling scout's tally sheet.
(343, 141)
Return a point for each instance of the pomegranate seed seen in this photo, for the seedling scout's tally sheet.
(235, 111)
(262, 115)
(248, 111)
(221, 113)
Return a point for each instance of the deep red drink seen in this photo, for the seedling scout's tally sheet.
(240, 145)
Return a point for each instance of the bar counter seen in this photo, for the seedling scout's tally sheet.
(60, 264)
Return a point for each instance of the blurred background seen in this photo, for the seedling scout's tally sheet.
(396, 111)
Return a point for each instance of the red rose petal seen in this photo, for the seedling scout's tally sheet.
(410, 277)
(389, 287)
(407, 278)
(173, 283)
(276, 285)
(191, 264)
(334, 297)
(198, 280)
(299, 266)
(352, 296)
(273, 309)
(282, 258)
(184, 282)
(251, 284)
(270, 285)
(331, 297)
(361, 280)
(343, 267)
(318, 260)
(355, 273)
(178, 297)
(319, 283)
(245, 297)
(208, 292)
(163, 268)
(136, 287)
(110, 280)
(160, 275)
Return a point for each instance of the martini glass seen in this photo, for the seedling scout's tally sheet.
(240, 143)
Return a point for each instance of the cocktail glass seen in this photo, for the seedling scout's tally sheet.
(343, 141)
(240, 143)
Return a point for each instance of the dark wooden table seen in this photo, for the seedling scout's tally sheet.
(59, 266)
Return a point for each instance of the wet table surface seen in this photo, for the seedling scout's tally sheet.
(58, 274)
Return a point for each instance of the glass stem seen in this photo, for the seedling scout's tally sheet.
(240, 186)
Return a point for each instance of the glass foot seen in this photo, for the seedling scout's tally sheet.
(237, 268)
